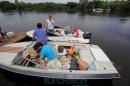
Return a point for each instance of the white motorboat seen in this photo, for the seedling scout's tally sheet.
(14, 58)
(66, 34)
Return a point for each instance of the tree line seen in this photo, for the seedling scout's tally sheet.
(117, 7)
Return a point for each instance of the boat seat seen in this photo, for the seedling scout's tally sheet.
(86, 55)
(98, 54)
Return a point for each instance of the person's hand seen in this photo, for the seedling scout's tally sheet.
(45, 59)
(39, 59)
(41, 62)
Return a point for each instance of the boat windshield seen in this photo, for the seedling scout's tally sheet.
(27, 53)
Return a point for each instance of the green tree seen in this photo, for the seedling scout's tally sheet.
(72, 6)
(7, 6)
(83, 5)
(16, 1)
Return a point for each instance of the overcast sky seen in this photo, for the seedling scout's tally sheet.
(37, 1)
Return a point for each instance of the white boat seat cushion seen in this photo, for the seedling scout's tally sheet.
(98, 54)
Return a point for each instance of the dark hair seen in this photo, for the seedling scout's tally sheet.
(39, 25)
(35, 47)
(60, 49)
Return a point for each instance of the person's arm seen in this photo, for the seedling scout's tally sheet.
(42, 54)
(46, 24)
(52, 21)
(34, 34)
(45, 31)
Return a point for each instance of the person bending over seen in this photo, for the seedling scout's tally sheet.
(48, 52)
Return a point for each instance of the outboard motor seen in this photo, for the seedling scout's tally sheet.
(87, 35)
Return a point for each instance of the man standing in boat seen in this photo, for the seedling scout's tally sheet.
(39, 34)
(50, 23)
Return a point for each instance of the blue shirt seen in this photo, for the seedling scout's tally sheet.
(40, 36)
(48, 51)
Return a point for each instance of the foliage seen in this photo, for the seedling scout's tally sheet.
(118, 7)
(72, 7)
(5, 5)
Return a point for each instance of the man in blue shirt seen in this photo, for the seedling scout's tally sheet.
(49, 52)
(40, 34)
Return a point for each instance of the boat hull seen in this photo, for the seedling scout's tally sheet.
(68, 74)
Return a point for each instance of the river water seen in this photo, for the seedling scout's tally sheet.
(111, 33)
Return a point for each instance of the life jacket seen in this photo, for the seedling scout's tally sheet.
(75, 31)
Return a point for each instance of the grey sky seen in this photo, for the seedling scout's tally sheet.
(37, 1)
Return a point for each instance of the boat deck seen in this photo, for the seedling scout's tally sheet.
(6, 57)
(15, 38)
